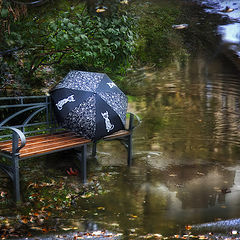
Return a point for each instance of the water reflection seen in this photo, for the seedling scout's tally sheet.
(195, 107)
(231, 36)
(161, 196)
(186, 152)
(230, 33)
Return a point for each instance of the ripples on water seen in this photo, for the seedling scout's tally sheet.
(199, 101)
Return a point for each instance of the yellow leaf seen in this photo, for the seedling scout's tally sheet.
(124, 2)
(86, 195)
(36, 228)
(99, 10)
(101, 208)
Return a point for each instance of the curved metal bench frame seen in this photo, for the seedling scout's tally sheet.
(20, 133)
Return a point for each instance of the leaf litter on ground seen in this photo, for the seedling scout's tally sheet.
(45, 198)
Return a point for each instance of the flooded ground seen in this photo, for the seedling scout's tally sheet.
(186, 168)
(231, 32)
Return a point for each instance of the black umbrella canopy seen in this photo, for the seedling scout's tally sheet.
(89, 104)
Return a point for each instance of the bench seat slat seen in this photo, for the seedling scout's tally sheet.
(46, 143)
(49, 139)
(36, 139)
(52, 142)
(51, 148)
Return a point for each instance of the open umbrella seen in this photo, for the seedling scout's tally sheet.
(89, 104)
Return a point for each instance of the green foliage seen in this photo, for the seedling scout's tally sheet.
(49, 46)
(157, 42)
(92, 43)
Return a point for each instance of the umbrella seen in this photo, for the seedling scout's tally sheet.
(89, 104)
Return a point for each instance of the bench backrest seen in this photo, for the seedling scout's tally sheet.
(30, 114)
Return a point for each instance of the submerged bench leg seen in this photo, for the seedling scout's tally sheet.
(16, 180)
(82, 156)
(129, 149)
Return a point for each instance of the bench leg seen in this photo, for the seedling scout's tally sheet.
(129, 149)
(16, 180)
(13, 172)
(94, 149)
(82, 156)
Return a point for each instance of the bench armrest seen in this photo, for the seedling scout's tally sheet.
(16, 135)
(133, 116)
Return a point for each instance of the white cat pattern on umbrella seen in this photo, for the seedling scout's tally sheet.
(108, 124)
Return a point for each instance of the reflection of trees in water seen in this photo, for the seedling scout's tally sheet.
(191, 115)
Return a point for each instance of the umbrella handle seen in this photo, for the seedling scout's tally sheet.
(131, 120)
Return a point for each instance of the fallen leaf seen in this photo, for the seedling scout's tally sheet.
(36, 228)
(188, 227)
(101, 208)
(227, 10)
(78, 237)
(124, 2)
(180, 26)
(202, 237)
(156, 235)
(66, 229)
(87, 195)
(99, 10)
(3, 194)
(97, 233)
(45, 230)
(24, 220)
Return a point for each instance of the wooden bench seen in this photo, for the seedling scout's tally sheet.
(29, 129)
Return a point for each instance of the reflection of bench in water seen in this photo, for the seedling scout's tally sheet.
(30, 130)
